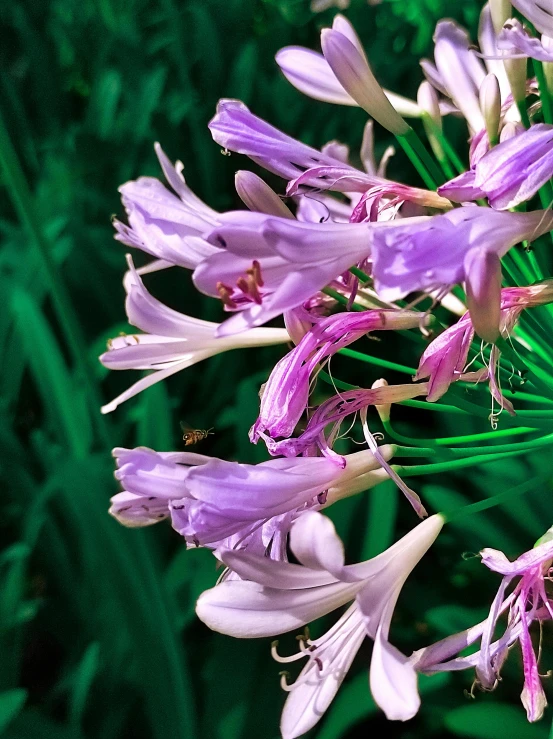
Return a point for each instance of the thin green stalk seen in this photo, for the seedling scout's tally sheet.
(454, 464)
(455, 440)
(499, 499)
(440, 407)
(421, 159)
(521, 105)
(446, 146)
(341, 298)
(377, 361)
(362, 276)
(546, 106)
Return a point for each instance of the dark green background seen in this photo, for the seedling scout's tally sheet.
(98, 637)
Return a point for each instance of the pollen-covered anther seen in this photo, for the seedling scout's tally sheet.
(225, 293)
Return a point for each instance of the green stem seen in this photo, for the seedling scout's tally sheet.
(362, 276)
(499, 499)
(342, 298)
(454, 464)
(455, 440)
(448, 149)
(440, 407)
(377, 361)
(546, 107)
(521, 105)
(421, 159)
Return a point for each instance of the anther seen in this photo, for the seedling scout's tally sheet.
(225, 293)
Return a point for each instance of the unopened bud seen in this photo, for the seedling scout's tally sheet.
(384, 409)
(483, 289)
(256, 195)
(490, 104)
(500, 10)
(350, 65)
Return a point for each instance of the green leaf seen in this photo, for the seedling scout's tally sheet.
(11, 703)
(485, 720)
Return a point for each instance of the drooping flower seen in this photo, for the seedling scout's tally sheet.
(515, 38)
(171, 341)
(210, 499)
(528, 602)
(445, 360)
(285, 395)
(276, 597)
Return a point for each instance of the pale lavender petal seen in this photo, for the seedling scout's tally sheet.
(247, 610)
(393, 680)
(311, 74)
(314, 541)
(460, 69)
(483, 289)
(498, 562)
(461, 189)
(273, 574)
(515, 38)
(538, 12)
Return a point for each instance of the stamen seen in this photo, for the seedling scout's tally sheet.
(225, 293)
(284, 660)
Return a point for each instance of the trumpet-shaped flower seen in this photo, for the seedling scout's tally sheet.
(172, 341)
(210, 499)
(276, 597)
(166, 225)
(237, 129)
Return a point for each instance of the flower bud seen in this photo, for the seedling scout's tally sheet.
(490, 103)
(256, 195)
(384, 409)
(351, 67)
(483, 289)
(500, 11)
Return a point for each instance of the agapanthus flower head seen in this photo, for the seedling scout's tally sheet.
(275, 597)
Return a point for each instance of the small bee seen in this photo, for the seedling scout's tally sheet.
(193, 436)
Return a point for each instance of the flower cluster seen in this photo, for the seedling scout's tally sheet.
(342, 253)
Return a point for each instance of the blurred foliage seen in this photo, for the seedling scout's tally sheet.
(97, 629)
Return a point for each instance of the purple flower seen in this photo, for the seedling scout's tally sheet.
(510, 173)
(237, 129)
(210, 499)
(295, 260)
(286, 392)
(311, 73)
(171, 342)
(275, 597)
(538, 12)
(431, 254)
(516, 38)
(527, 603)
(166, 225)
